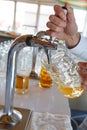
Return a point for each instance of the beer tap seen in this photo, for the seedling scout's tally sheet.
(9, 115)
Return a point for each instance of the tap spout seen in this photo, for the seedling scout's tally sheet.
(34, 41)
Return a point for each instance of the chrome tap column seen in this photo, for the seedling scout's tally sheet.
(8, 115)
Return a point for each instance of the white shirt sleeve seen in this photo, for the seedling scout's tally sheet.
(81, 49)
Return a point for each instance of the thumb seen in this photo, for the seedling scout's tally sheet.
(70, 12)
(82, 65)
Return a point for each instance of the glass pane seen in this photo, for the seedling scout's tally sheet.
(45, 11)
(27, 30)
(6, 14)
(80, 16)
(42, 22)
(25, 15)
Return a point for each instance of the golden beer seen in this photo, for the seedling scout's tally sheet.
(45, 79)
(71, 92)
(22, 83)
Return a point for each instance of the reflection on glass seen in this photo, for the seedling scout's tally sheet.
(4, 48)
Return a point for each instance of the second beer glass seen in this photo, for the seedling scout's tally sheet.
(45, 81)
(24, 64)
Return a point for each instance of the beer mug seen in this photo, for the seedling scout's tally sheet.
(64, 72)
(24, 64)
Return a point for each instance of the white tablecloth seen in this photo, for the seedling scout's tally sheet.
(47, 121)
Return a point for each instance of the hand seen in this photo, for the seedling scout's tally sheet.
(83, 73)
(63, 26)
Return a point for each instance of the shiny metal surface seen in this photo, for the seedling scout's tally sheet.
(24, 124)
(17, 45)
(13, 118)
(33, 74)
(51, 40)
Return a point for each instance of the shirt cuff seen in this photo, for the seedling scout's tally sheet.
(81, 49)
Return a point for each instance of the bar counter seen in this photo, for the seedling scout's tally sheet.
(38, 99)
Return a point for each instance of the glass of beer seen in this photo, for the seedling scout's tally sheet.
(24, 64)
(64, 72)
(45, 80)
(22, 83)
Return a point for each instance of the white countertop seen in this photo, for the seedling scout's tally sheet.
(38, 99)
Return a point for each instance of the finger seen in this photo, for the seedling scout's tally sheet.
(70, 14)
(59, 12)
(69, 10)
(83, 74)
(84, 85)
(59, 35)
(53, 27)
(83, 65)
(50, 33)
(57, 21)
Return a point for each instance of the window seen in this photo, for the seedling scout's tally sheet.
(30, 17)
(45, 11)
(26, 17)
(6, 14)
(23, 17)
(80, 16)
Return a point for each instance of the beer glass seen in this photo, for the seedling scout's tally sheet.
(45, 80)
(64, 72)
(24, 64)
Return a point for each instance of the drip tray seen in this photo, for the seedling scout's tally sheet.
(23, 124)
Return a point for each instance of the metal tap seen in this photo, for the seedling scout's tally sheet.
(8, 115)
